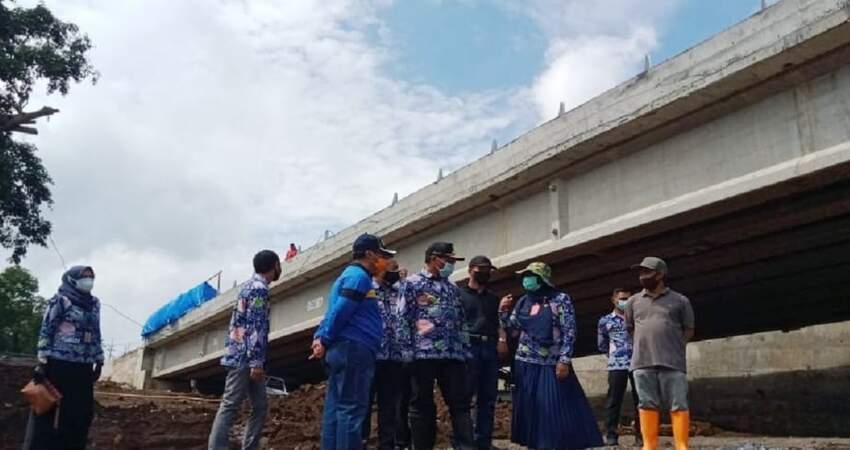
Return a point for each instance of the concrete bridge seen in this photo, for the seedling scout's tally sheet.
(730, 160)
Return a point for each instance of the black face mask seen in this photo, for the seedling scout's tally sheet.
(391, 277)
(481, 277)
(649, 283)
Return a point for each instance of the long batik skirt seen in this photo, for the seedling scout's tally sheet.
(549, 413)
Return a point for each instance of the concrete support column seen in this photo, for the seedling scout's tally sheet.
(806, 118)
(144, 372)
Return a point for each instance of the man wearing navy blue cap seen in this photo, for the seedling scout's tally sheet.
(349, 338)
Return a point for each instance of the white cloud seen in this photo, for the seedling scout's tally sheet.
(219, 128)
(583, 67)
(593, 46)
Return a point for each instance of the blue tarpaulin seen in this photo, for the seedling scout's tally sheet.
(178, 307)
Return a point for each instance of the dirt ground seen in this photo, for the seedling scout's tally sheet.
(128, 419)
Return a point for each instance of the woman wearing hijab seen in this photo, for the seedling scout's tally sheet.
(70, 358)
(550, 410)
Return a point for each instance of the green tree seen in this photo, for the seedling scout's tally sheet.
(35, 47)
(21, 310)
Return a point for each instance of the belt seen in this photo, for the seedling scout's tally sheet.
(482, 338)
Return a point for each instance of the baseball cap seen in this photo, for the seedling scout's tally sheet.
(371, 242)
(481, 261)
(444, 249)
(540, 269)
(652, 263)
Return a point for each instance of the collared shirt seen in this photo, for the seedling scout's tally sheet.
(248, 338)
(658, 328)
(614, 339)
(395, 343)
(70, 333)
(353, 312)
(435, 316)
(482, 311)
(557, 345)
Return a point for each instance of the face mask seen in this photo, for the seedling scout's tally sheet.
(481, 277)
(447, 269)
(381, 265)
(85, 284)
(392, 277)
(621, 304)
(530, 284)
(649, 283)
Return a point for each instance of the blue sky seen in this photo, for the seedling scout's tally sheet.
(462, 46)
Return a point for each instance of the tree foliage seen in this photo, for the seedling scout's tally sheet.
(23, 190)
(21, 310)
(35, 47)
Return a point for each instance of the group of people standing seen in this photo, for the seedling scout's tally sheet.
(389, 337)
(392, 337)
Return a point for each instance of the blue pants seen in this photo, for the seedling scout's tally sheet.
(350, 366)
(483, 377)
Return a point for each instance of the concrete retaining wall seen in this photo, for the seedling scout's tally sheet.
(777, 383)
(124, 369)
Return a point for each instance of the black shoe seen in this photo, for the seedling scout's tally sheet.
(612, 441)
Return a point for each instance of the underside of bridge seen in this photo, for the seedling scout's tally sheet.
(777, 259)
(778, 265)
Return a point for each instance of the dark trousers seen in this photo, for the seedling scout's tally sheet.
(482, 385)
(74, 381)
(386, 389)
(402, 432)
(450, 376)
(617, 380)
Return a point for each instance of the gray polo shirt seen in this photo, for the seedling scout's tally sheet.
(658, 327)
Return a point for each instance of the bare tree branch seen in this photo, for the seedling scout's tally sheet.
(13, 122)
(23, 129)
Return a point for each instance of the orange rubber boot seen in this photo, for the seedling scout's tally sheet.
(681, 428)
(649, 428)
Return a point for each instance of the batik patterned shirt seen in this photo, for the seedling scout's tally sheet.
(248, 337)
(395, 341)
(557, 347)
(70, 332)
(614, 339)
(434, 315)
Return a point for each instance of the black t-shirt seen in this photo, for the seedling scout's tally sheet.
(482, 311)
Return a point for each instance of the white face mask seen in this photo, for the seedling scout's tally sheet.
(85, 284)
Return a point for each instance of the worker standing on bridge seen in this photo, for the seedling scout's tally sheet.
(245, 356)
(482, 318)
(349, 338)
(661, 321)
(550, 410)
(614, 340)
(440, 346)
